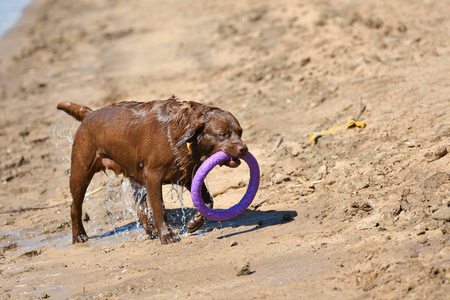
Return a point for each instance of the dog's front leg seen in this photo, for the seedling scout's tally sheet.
(198, 219)
(142, 209)
(154, 196)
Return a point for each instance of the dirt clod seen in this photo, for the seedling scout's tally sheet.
(243, 269)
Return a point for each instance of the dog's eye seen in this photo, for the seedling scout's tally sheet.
(223, 134)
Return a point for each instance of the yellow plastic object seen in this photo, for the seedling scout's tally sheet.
(350, 124)
(353, 123)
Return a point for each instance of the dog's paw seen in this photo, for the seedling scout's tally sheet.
(151, 231)
(149, 228)
(169, 237)
(195, 223)
(81, 238)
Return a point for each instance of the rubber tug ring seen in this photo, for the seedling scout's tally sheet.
(235, 210)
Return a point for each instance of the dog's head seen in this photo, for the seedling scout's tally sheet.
(207, 130)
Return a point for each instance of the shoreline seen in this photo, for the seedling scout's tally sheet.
(9, 42)
(10, 21)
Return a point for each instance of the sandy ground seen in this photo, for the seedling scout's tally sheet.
(361, 213)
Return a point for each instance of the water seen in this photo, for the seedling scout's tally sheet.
(64, 128)
(10, 12)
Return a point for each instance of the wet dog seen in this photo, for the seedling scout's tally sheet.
(151, 143)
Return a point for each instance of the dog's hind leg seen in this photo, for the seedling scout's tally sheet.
(83, 167)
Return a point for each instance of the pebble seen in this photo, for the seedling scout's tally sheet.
(442, 213)
(413, 253)
(420, 229)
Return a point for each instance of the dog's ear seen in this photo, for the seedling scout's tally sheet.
(188, 122)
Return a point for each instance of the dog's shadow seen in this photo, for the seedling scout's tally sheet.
(249, 218)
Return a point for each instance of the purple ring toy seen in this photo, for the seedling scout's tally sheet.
(237, 209)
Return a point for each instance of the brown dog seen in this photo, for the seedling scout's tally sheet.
(151, 143)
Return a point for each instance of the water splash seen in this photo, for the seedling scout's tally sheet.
(121, 208)
(176, 196)
(63, 127)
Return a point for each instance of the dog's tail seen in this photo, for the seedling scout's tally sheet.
(79, 112)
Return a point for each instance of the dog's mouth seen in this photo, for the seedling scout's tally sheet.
(232, 163)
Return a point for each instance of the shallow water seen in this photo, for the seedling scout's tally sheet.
(10, 12)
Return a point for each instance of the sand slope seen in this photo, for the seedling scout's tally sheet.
(361, 213)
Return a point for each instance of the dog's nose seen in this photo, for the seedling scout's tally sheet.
(243, 150)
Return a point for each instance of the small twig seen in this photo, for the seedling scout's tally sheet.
(238, 186)
(361, 109)
(25, 209)
(255, 206)
(94, 192)
(277, 143)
